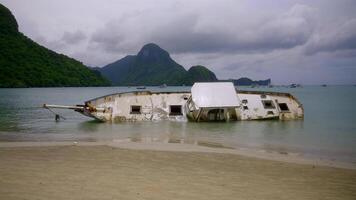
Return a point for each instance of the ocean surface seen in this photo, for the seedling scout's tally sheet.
(328, 130)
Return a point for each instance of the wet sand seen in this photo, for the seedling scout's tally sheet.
(109, 172)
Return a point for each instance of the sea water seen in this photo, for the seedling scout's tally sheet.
(328, 130)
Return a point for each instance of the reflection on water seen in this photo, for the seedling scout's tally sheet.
(328, 130)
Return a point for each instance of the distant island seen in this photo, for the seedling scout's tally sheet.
(153, 66)
(246, 81)
(24, 63)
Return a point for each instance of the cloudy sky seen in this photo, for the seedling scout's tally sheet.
(308, 42)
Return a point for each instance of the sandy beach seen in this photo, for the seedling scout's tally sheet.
(108, 172)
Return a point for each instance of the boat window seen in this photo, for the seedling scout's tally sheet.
(244, 101)
(245, 107)
(263, 96)
(283, 106)
(268, 104)
(175, 110)
(270, 113)
(135, 110)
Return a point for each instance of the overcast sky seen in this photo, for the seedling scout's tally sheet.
(307, 42)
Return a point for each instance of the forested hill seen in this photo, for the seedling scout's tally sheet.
(24, 63)
(154, 66)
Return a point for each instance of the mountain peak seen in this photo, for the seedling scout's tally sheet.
(153, 66)
(200, 73)
(151, 46)
(152, 53)
(7, 20)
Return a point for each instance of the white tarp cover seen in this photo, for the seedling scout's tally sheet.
(209, 95)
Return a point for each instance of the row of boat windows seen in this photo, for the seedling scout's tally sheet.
(173, 109)
(268, 104)
(177, 109)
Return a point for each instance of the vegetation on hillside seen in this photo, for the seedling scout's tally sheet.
(200, 74)
(24, 63)
(153, 66)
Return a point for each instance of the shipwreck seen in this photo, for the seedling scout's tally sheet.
(218, 101)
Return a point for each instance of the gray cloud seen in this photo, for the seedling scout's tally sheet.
(286, 31)
(339, 38)
(71, 38)
(65, 44)
(286, 40)
(108, 39)
(188, 33)
(56, 45)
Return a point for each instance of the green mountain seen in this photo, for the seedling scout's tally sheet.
(24, 63)
(200, 74)
(153, 66)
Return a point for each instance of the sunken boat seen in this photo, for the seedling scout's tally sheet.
(205, 102)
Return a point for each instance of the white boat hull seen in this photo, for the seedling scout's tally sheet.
(154, 106)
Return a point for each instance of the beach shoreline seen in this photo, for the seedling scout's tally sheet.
(72, 170)
(202, 147)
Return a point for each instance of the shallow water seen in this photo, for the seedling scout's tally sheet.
(328, 130)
